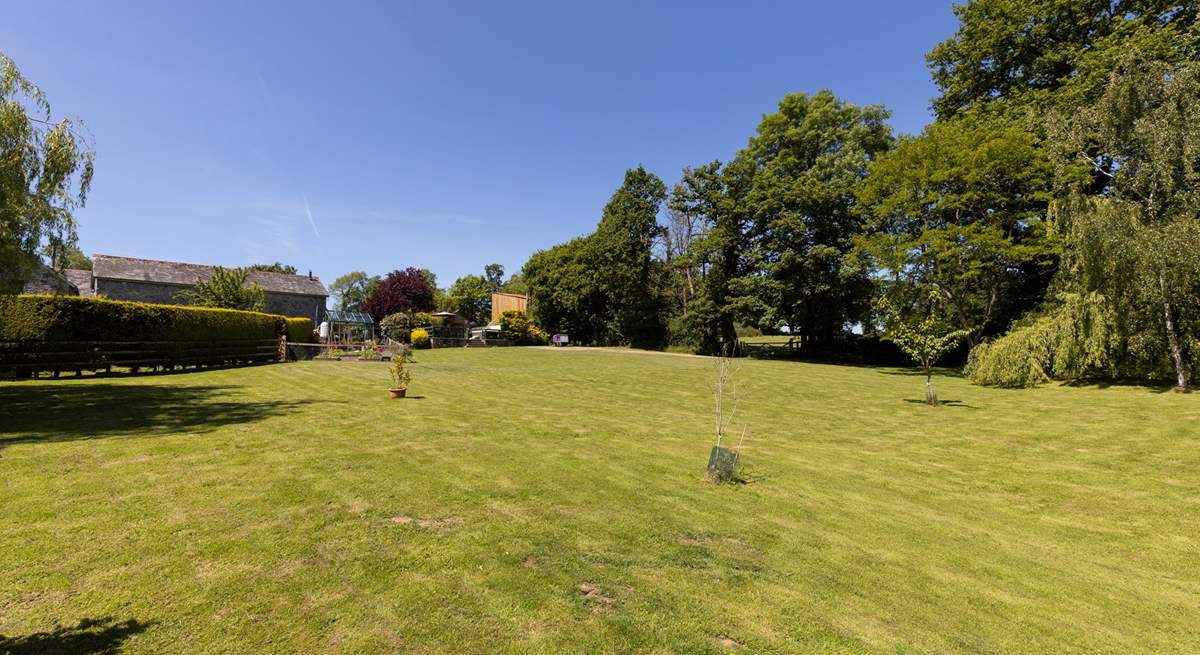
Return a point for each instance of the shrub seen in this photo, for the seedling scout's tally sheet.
(72, 318)
(516, 326)
(69, 332)
(401, 376)
(422, 319)
(420, 339)
(299, 330)
(396, 326)
(226, 288)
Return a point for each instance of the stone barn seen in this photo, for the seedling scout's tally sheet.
(155, 281)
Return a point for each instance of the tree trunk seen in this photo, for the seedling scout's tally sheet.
(930, 395)
(1173, 339)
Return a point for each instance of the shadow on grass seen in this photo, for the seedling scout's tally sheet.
(88, 637)
(53, 412)
(1149, 385)
(913, 372)
(947, 403)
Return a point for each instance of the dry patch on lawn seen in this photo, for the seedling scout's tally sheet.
(594, 596)
(430, 523)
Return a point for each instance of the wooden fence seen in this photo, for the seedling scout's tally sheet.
(28, 358)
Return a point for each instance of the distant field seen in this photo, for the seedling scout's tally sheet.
(553, 501)
(767, 338)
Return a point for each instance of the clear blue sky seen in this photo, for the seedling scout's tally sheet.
(444, 135)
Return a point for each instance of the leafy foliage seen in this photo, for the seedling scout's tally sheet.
(226, 288)
(64, 256)
(350, 291)
(924, 339)
(45, 173)
(399, 369)
(75, 318)
(1137, 244)
(959, 211)
(277, 267)
(396, 326)
(401, 291)
(1047, 53)
(516, 326)
(600, 288)
(299, 330)
(805, 165)
(420, 339)
(471, 298)
(494, 273)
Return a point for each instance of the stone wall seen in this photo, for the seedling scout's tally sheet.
(286, 304)
(296, 306)
(164, 294)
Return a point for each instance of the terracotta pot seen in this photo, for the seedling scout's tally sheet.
(397, 393)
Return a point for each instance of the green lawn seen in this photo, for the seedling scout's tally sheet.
(550, 501)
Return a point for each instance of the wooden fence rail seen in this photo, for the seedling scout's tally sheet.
(29, 358)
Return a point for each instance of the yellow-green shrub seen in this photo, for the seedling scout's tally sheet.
(299, 330)
(55, 333)
(420, 339)
(74, 318)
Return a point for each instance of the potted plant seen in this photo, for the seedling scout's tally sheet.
(401, 376)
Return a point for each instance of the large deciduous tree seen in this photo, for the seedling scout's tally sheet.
(602, 288)
(707, 242)
(350, 291)
(1137, 244)
(401, 291)
(806, 164)
(45, 174)
(1052, 52)
(471, 297)
(959, 212)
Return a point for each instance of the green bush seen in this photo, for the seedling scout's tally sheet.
(420, 339)
(422, 319)
(55, 333)
(73, 318)
(396, 326)
(299, 330)
(516, 326)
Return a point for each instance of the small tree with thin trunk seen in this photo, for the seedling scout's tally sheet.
(722, 460)
(925, 341)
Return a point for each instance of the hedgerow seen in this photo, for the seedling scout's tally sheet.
(69, 333)
(74, 318)
(299, 330)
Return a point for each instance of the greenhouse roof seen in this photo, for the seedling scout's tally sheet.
(339, 316)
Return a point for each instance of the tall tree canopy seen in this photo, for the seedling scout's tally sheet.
(350, 291)
(276, 267)
(1043, 52)
(958, 214)
(45, 174)
(1137, 244)
(805, 165)
(494, 273)
(471, 297)
(601, 288)
(401, 291)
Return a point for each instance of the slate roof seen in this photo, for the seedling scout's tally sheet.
(109, 267)
(81, 278)
(47, 280)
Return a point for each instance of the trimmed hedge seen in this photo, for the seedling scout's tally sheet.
(299, 330)
(73, 318)
(69, 332)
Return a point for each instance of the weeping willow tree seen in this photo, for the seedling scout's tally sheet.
(1128, 216)
(45, 174)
